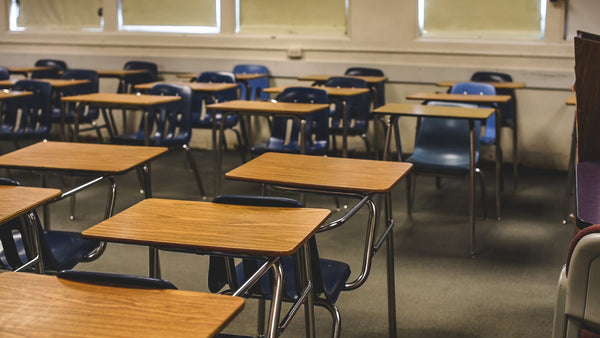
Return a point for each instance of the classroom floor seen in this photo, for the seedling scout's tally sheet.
(507, 290)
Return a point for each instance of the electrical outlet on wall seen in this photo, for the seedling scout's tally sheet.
(294, 52)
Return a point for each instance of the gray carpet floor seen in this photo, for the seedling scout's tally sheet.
(507, 290)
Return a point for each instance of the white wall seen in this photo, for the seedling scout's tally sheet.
(383, 34)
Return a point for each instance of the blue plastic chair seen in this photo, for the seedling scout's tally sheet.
(59, 68)
(4, 73)
(509, 111)
(379, 88)
(316, 131)
(113, 279)
(255, 86)
(31, 112)
(328, 276)
(357, 108)
(442, 148)
(473, 88)
(60, 250)
(129, 82)
(203, 119)
(86, 116)
(170, 125)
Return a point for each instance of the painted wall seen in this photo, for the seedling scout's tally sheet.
(382, 34)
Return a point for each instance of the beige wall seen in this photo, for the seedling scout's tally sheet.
(382, 34)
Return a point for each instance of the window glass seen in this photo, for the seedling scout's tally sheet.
(180, 16)
(506, 19)
(308, 17)
(55, 15)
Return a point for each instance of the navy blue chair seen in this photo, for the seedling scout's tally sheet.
(170, 125)
(328, 276)
(378, 90)
(4, 73)
(442, 148)
(316, 130)
(255, 86)
(509, 111)
(203, 119)
(113, 279)
(29, 117)
(128, 83)
(473, 88)
(60, 250)
(58, 68)
(357, 110)
(90, 114)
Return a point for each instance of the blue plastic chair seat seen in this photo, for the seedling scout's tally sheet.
(68, 249)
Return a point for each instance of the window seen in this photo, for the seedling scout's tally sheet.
(308, 17)
(506, 19)
(55, 15)
(174, 16)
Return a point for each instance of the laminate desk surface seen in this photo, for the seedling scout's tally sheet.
(13, 94)
(324, 77)
(120, 99)
(268, 107)
(7, 83)
(80, 157)
(497, 85)
(572, 100)
(335, 91)
(459, 98)
(28, 69)
(419, 110)
(211, 227)
(238, 76)
(195, 86)
(17, 200)
(41, 305)
(61, 83)
(119, 73)
(323, 173)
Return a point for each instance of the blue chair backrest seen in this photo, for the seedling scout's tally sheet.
(257, 85)
(59, 68)
(220, 77)
(474, 88)
(172, 120)
(4, 73)
(34, 110)
(81, 74)
(447, 136)
(317, 125)
(510, 107)
(133, 79)
(358, 106)
(151, 67)
(379, 87)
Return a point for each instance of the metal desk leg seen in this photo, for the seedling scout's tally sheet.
(154, 267)
(472, 181)
(345, 129)
(391, 285)
(499, 159)
(273, 324)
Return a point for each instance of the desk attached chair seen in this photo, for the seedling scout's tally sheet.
(23, 238)
(114, 279)
(577, 310)
(58, 68)
(129, 82)
(254, 86)
(90, 114)
(357, 110)
(509, 110)
(27, 118)
(442, 148)
(169, 124)
(328, 276)
(203, 119)
(378, 90)
(316, 126)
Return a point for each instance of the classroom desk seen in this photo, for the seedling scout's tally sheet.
(120, 74)
(341, 94)
(202, 87)
(16, 201)
(477, 99)
(355, 178)
(96, 160)
(238, 230)
(293, 110)
(321, 78)
(497, 85)
(114, 100)
(10, 94)
(242, 78)
(25, 71)
(6, 84)
(41, 305)
(395, 110)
